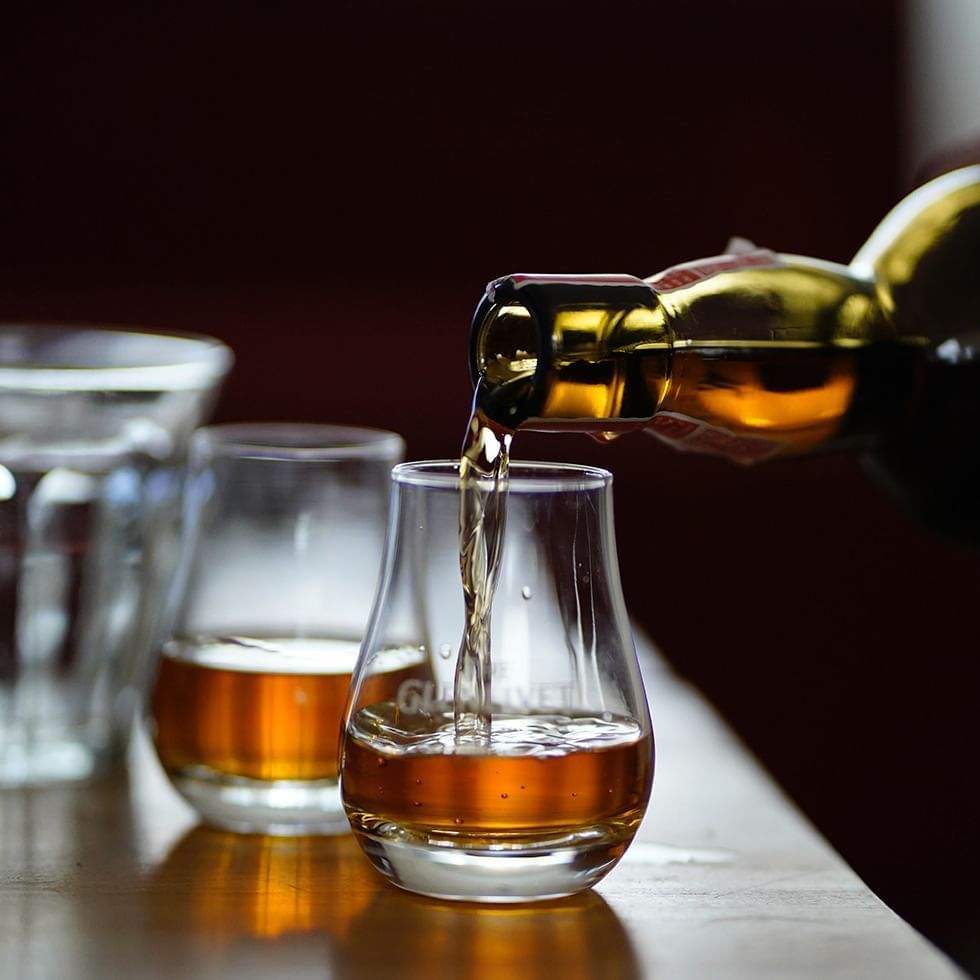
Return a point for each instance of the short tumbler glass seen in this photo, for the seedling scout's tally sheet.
(549, 802)
(283, 536)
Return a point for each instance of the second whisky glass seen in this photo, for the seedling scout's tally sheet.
(549, 801)
(282, 544)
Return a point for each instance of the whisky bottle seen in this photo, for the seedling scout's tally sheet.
(754, 355)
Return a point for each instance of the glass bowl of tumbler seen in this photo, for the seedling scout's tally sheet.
(529, 781)
(94, 424)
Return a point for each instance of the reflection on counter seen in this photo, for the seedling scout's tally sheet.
(406, 936)
(226, 886)
(247, 897)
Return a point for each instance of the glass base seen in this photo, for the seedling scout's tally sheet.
(44, 763)
(254, 806)
(479, 869)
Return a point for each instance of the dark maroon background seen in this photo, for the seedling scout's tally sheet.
(327, 187)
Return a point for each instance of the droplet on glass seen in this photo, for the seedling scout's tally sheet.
(382, 763)
(503, 796)
(445, 651)
(458, 821)
(416, 802)
(526, 592)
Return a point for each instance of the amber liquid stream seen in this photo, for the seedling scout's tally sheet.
(482, 512)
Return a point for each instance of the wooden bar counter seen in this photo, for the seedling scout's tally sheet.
(725, 880)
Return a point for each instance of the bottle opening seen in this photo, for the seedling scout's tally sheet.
(507, 344)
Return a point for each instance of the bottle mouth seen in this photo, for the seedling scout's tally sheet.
(530, 329)
(506, 347)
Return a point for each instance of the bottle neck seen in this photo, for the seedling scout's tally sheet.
(580, 352)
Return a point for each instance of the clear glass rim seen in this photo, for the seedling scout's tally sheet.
(190, 360)
(298, 441)
(524, 476)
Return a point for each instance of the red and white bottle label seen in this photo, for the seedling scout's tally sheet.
(689, 435)
(688, 273)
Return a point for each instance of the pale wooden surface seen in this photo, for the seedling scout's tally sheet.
(726, 880)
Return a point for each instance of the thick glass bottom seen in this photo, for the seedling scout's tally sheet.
(51, 760)
(256, 806)
(498, 868)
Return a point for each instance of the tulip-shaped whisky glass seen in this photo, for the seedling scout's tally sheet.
(547, 801)
(283, 535)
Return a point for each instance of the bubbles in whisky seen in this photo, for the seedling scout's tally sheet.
(260, 708)
(540, 774)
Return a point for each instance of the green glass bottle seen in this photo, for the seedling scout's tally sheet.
(756, 355)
